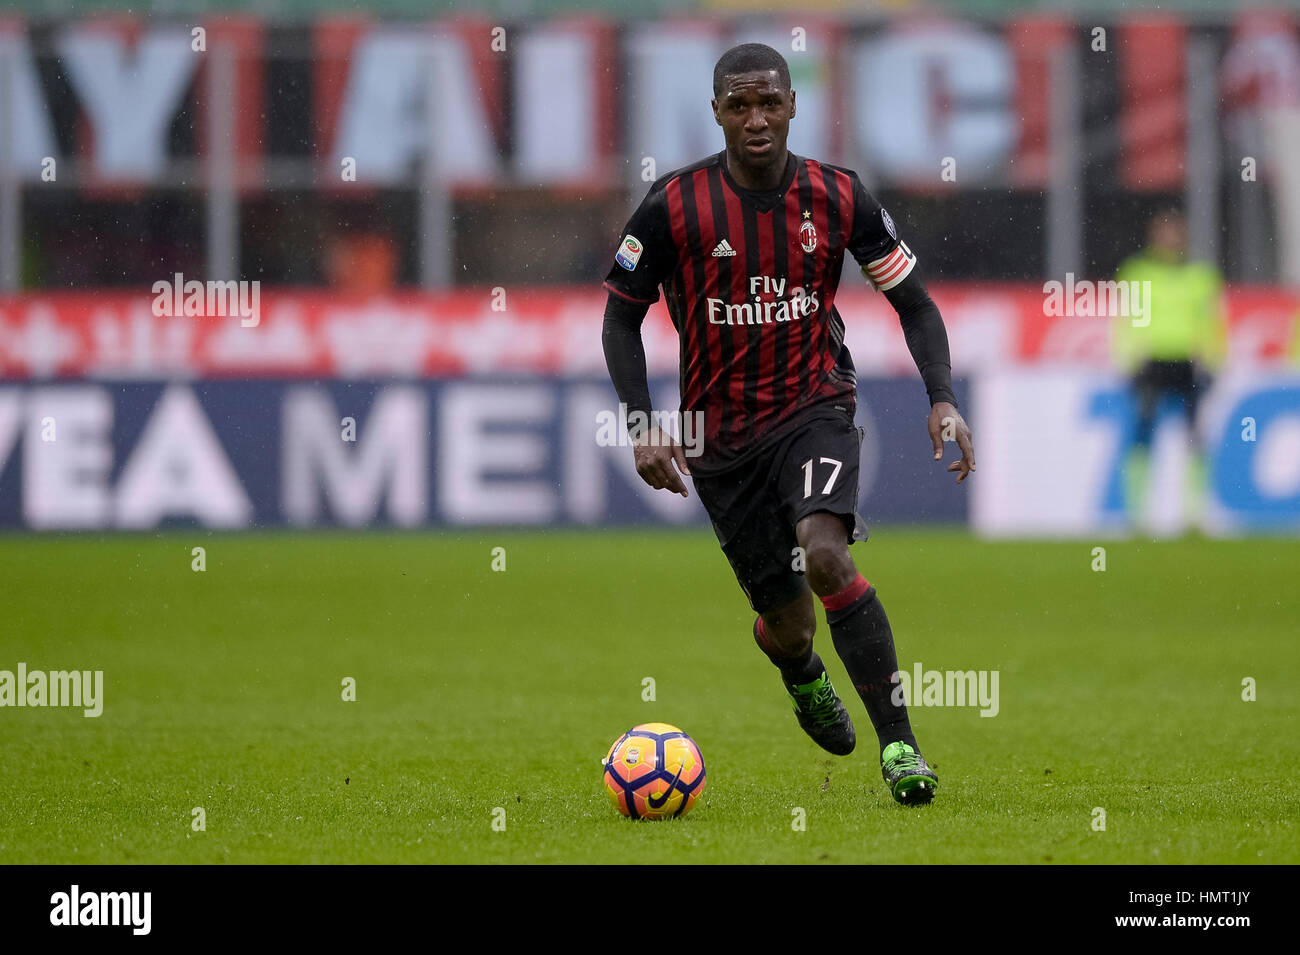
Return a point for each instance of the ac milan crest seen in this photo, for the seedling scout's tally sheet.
(807, 234)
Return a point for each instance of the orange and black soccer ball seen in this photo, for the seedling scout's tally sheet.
(654, 771)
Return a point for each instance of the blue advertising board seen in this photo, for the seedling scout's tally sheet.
(462, 452)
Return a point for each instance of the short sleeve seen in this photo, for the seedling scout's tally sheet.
(884, 258)
(645, 255)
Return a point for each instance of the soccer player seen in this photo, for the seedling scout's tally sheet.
(748, 245)
(1170, 354)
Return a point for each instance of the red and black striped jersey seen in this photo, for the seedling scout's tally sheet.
(749, 279)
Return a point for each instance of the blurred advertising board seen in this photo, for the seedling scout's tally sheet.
(1052, 451)
(393, 453)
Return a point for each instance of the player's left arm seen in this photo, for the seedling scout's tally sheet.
(890, 266)
(927, 340)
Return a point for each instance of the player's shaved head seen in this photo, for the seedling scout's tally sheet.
(749, 58)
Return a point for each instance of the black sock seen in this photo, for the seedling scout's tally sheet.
(795, 671)
(865, 643)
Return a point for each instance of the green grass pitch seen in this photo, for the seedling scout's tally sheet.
(478, 690)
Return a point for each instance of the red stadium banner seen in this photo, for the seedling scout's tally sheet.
(551, 331)
(1153, 125)
(1034, 39)
(246, 39)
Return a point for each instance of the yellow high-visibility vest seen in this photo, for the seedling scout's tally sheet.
(1185, 310)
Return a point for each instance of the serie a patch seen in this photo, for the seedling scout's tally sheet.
(629, 253)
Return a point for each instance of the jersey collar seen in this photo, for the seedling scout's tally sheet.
(791, 165)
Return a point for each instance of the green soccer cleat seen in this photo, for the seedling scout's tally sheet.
(911, 780)
(822, 715)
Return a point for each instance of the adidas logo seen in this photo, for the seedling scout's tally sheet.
(723, 249)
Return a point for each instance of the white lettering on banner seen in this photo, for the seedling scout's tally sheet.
(283, 342)
(389, 462)
(473, 452)
(671, 70)
(384, 120)
(512, 452)
(179, 469)
(555, 110)
(378, 339)
(106, 334)
(43, 342)
(30, 138)
(908, 124)
(65, 482)
(130, 93)
(136, 344)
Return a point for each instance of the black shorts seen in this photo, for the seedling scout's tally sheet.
(754, 507)
(1156, 379)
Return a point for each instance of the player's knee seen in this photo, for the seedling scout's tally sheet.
(830, 568)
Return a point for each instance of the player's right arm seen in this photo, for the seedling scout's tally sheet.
(644, 258)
